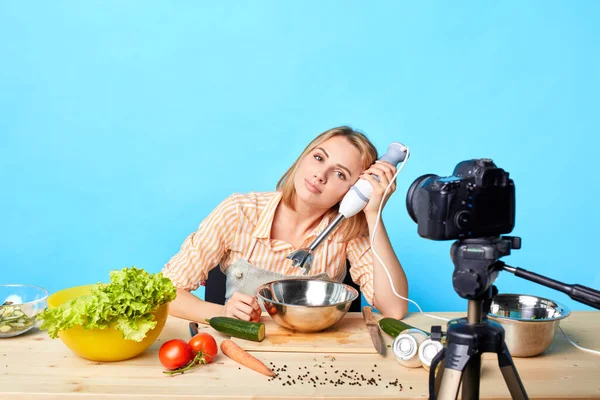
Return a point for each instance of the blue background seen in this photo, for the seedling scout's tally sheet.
(123, 124)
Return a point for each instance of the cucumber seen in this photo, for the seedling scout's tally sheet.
(254, 331)
(393, 327)
(13, 319)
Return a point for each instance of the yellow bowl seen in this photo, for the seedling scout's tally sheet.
(104, 344)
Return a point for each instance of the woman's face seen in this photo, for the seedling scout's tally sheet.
(326, 173)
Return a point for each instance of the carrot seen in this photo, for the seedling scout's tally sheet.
(237, 354)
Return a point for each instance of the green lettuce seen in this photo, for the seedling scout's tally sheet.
(126, 304)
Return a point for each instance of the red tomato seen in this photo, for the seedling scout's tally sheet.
(205, 343)
(175, 353)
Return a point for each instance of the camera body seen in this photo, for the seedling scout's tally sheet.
(478, 200)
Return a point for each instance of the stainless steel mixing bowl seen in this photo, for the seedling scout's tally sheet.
(306, 305)
(529, 322)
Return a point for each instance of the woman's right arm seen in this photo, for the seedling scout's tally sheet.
(202, 250)
(188, 306)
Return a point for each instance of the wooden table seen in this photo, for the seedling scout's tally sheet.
(33, 366)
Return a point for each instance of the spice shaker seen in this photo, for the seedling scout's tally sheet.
(406, 347)
(428, 350)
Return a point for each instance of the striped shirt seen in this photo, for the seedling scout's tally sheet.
(241, 220)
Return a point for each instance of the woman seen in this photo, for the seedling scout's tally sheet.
(250, 235)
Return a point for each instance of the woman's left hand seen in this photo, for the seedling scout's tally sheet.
(385, 172)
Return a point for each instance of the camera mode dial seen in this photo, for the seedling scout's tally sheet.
(463, 220)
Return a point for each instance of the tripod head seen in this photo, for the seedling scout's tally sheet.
(476, 264)
(476, 267)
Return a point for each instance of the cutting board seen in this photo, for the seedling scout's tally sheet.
(350, 335)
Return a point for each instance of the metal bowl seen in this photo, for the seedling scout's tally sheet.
(306, 305)
(529, 322)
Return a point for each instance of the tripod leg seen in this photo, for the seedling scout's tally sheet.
(457, 359)
(471, 378)
(435, 380)
(439, 377)
(511, 376)
(450, 384)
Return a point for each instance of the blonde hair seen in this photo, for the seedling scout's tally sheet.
(354, 226)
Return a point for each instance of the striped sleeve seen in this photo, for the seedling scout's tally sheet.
(361, 265)
(203, 250)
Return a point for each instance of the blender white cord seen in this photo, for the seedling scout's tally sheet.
(377, 255)
(390, 277)
(578, 346)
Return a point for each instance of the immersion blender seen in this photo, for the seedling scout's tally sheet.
(353, 202)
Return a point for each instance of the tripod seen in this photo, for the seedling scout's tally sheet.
(476, 268)
(467, 339)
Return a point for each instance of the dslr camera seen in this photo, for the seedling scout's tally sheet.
(478, 200)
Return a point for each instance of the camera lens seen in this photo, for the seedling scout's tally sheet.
(412, 201)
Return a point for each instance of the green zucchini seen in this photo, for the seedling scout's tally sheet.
(393, 327)
(254, 331)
